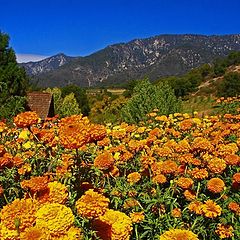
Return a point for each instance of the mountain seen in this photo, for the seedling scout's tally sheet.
(47, 64)
(155, 57)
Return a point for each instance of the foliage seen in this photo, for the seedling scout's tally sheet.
(64, 106)
(80, 95)
(171, 177)
(147, 97)
(230, 86)
(13, 80)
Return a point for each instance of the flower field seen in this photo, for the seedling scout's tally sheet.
(173, 177)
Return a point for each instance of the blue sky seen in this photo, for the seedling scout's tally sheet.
(79, 28)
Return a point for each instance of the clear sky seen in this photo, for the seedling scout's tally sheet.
(81, 27)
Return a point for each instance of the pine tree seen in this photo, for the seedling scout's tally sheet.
(13, 80)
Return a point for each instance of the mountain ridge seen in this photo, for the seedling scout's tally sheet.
(156, 56)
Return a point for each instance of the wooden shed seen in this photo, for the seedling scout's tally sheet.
(41, 103)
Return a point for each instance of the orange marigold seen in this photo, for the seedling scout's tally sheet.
(224, 231)
(185, 183)
(189, 195)
(92, 204)
(195, 207)
(137, 217)
(35, 233)
(104, 161)
(232, 159)
(176, 212)
(210, 209)
(234, 207)
(215, 185)
(20, 212)
(236, 177)
(133, 177)
(199, 174)
(169, 167)
(35, 184)
(159, 178)
(217, 165)
(58, 192)
(26, 119)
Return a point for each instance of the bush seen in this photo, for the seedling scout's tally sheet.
(147, 97)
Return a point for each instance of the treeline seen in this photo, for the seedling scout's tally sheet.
(188, 83)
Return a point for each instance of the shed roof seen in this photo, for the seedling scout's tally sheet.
(41, 103)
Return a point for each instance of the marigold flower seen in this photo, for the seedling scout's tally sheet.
(117, 226)
(210, 209)
(236, 177)
(137, 217)
(57, 218)
(159, 178)
(72, 234)
(169, 167)
(199, 174)
(7, 234)
(217, 165)
(74, 131)
(195, 207)
(35, 184)
(133, 177)
(189, 195)
(58, 192)
(130, 203)
(215, 185)
(35, 233)
(92, 204)
(21, 212)
(26, 119)
(178, 234)
(104, 161)
(234, 207)
(232, 159)
(176, 212)
(185, 183)
(224, 231)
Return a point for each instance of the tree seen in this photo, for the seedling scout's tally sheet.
(147, 97)
(64, 106)
(80, 95)
(230, 86)
(13, 80)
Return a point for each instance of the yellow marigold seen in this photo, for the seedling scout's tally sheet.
(217, 165)
(92, 204)
(159, 178)
(19, 212)
(7, 234)
(133, 177)
(104, 161)
(58, 192)
(210, 209)
(26, 168)
(178, 234)
(117, 226)
(26, 119)
(199, 174)
(35, 233)
(57, 218)
(215, 185)
(185, 183)
(195, 207)
(72, 234)
(224, 231)
(137, 217)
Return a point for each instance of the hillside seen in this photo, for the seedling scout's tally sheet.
(155, 57)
